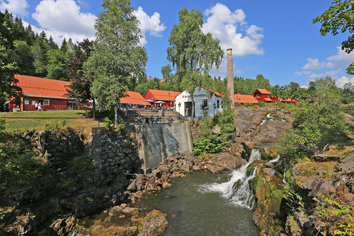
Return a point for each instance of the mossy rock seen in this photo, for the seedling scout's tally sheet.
(100, 230)
(153, 224)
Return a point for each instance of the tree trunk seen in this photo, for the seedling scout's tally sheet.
(94, 109)
(115, 116)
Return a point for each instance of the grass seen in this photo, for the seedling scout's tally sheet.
(36, 120)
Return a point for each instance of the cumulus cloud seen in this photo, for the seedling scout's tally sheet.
(313, 64)
(16, 7)
(151, 24)
(341, 59)
(232, 30)
(343, 80)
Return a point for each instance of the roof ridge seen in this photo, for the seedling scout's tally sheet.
(41, 78)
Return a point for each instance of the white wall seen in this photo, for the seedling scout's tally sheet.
(200, 95)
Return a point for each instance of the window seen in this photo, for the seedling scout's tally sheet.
(33, 102)
(205, 104)
(46, 102)
(72, 105)
(27, 102)
(217, 103)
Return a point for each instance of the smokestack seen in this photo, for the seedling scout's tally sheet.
(230, 76)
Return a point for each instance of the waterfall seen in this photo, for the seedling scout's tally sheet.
(237, 190)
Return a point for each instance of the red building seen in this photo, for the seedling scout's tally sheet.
(160, 95)
(50, 93)
(264, 95)
(133, 98)
(242, 99)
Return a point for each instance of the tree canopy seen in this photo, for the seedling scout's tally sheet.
(339, 17)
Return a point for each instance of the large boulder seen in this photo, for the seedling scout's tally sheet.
(153, 224)
(346, 163)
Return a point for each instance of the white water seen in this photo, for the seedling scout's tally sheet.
(237, 189)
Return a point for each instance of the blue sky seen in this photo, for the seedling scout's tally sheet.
(274, 38)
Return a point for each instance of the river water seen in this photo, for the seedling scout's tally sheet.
(194, 210)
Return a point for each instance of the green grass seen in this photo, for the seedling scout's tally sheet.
(36, 120)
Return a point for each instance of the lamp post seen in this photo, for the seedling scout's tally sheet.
(214, 105)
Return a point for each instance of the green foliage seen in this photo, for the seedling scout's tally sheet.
(81, 164)
(2, 124)
(17, 166)
(261, 103)
(66, 183)
(314, 127)
(226, 118)
(212, 145)
(55, 125)
(108, 123)
(118, 60)
(248, 86)
(339, 17)
(338, 217)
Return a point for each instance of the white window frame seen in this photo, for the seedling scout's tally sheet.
(46, 102)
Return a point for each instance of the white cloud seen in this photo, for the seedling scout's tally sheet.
(313, 64)
(16, 7)
(151, 24)
(238, 72)
(329, 65)
(227, 26)
(342, 59)
(343, 80)
(304, 86)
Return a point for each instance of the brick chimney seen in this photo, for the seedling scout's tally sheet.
(230, 76)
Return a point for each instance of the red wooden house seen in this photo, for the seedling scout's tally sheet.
(50, 93)
(160, 95)
(242, 99)
(264, 95)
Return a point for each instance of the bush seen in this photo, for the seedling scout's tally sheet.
(81, 164)
(108, 123)
(212, 145)
(55, 125)
(261, 103)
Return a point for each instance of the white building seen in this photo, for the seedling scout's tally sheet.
(205, 101)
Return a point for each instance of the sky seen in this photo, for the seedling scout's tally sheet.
(275, 38)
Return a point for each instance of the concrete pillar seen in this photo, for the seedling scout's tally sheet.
(230, 76)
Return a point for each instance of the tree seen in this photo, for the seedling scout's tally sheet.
(339, 17)
(56, 65)
(80, 83)
(23, 57)
(8, 88)
(118, 59)
(322, 89)
(347, 93)
(192, 52)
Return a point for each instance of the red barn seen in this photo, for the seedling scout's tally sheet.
(51, 93)
(160, 95)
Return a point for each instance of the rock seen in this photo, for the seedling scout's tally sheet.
(346, 163)
(326, 157)
(319, 185)
(139, 181)
(269, 171)
(196, 168)
(115, 210)
(166, 185)
(153, 224)
(100, 230)
(131, 230)
(132, 186)
(130, 210)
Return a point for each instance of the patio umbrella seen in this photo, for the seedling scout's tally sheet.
(163, 112)
(149, 100)
(126, 110)
(160, 102)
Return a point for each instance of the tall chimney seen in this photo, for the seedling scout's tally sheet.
(230, 76)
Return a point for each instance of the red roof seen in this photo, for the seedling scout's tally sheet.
(161, 95)
(268, 99)
(35, 86)
(239, 98)
(263, 91)
(133, 98)
(216, 93)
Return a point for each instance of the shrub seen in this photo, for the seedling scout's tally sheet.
(261, 103)
(108, 123)
(81, 164)
(55, 125)
(212, 145)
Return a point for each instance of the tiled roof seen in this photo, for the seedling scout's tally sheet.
(161, 95)
(42, 87)
(216, 93)
(133, 98)
(268, 99)
(263, 91)
(239, 98)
